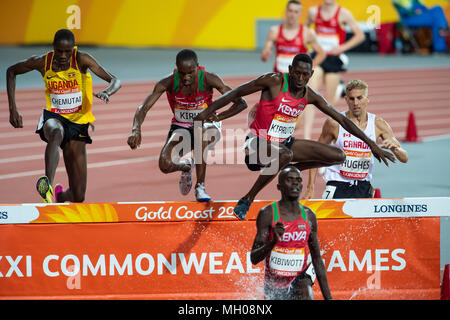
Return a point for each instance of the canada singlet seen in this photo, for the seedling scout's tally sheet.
(359, 160)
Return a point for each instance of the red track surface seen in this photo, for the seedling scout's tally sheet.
(117, 173)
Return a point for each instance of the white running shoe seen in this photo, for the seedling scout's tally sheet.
(200, 193)
(186, 178)
(340, 89)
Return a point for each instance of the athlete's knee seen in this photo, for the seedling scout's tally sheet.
(166, 165)
(286, 156)
(53, 132)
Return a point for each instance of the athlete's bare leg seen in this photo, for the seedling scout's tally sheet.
(302, 289)
(309, 154)
(208, 143)
(54, 133)
(331, 82)
(281, 157)
(306, 154)
(306, 119)
(176, 147)
(74, 153)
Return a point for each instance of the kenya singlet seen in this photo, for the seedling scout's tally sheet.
(329, 32)
(275, 119)
(68, 92)
(288, 257)
(186, 107)
(358, 163)
(286, 50)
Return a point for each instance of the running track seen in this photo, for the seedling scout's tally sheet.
(117, 173)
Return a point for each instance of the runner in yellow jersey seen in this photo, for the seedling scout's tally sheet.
(68, 112)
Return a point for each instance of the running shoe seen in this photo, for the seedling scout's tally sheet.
(186, 178)
(340, 89)
(200, 193)
(241, 208)
(44, 189)
(58, 189)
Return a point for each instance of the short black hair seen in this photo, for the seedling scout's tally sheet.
(293, 2)
(302, 57)
(286, 170)
(186, 55)
(64, 34)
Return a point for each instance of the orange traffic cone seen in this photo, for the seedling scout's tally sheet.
(411, 130)
(445, 286)
(377, 193)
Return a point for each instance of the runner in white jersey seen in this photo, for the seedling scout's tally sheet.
(351, 179)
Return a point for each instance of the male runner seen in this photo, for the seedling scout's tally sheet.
(283, 97)
(284, 229)
(330, 21)
(291, 38)
(68, 113)
(189, 91)
(351, 179)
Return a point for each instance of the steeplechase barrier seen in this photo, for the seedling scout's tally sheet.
(372, 248)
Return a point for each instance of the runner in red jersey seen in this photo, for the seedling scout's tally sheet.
(189, 91)
(284, 231)
(330, 21)
(270, 144)
(290, 38)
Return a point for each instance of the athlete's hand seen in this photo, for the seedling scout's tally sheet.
(103, 95)
(213, 118)
(278, 230)
(134, 139)
(390, 143)
(336, 51)
(266, 54)
(202, 116)
(15, 119)
(382, 155)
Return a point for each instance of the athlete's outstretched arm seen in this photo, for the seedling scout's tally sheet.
(389, 141)
(317, 100)
(87, 61)
(32, 63)
(134, 139)
(237, 107)
(243, 90)
(314, 248)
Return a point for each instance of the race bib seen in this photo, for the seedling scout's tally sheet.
(287, 262)
(66, 103)
(329, 191)
(187, 115)
(328, 41)
(283, 62)
(356, 164)
(281, 128)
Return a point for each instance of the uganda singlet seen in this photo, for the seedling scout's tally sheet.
(68, 92)
(275, 119)
(286, 50)
(186, 107)
(329, 33)
(359, 161)
(288, 257)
